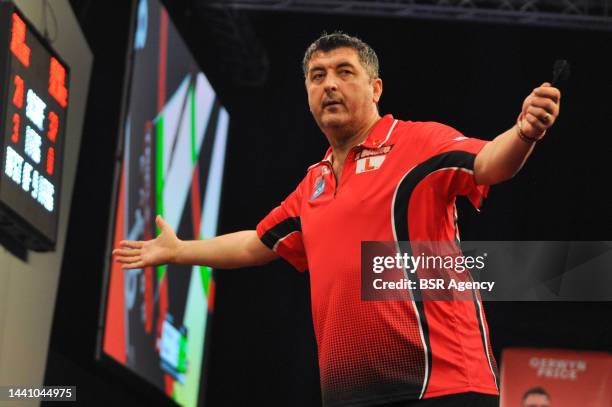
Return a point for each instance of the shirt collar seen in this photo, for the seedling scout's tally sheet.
(379, 135)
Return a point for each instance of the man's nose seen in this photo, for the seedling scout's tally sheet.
(330, 84)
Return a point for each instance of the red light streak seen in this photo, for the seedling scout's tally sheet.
(149, 300)
(50, 160)
(18, 95)
(18, 45)
(15, 135)
(163, 50)
(57, 82)
(53, 126)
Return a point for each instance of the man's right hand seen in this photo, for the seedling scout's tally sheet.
(136, 254)
(230, 251)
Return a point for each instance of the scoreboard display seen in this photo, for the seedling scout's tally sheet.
(33, 106)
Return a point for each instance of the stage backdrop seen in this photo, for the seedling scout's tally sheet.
(174, 139)
(570, 378)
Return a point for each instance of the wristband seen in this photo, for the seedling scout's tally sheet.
(523, 136)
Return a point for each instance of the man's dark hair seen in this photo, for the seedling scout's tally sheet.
(535, 390)
(328, 42)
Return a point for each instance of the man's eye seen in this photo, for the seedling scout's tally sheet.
(345, 72)
(317, 76)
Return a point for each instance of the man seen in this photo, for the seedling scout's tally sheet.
(536, 397)
(382, 179)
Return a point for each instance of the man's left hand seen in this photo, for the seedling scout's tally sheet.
(540, 110)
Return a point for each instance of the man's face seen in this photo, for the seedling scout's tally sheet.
(340, 91)
(536, 400)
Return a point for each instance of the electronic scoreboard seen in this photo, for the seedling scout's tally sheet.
(33, 105)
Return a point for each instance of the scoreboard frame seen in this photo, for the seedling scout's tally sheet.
(29, 232)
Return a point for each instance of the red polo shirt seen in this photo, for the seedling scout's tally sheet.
(398, 185)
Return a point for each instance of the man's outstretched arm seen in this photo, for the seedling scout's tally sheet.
(234, 250)
(503, 157)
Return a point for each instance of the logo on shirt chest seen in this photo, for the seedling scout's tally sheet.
(369, 164)
(371, 152)
(371, 159)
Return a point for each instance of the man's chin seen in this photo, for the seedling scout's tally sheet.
(333, 121)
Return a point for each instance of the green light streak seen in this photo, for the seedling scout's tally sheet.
(159, 169)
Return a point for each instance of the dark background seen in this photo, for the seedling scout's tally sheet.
(472, 76)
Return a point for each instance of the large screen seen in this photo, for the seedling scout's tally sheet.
(174, 139)
(33, 106)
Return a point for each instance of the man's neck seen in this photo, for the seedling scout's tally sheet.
(341, 142)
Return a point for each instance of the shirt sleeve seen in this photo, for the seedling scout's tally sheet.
(455, 154)
(281, 230)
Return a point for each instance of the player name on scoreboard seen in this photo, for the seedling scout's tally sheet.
(33, 108)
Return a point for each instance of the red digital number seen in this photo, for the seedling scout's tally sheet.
(53, 126)
(18, 95)
(18, 45)
(57, 82)
(50, 160)
(15, 136)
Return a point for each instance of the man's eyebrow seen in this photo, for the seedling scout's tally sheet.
(343, 64)
(316, 68)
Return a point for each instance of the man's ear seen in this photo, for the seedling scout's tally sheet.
(377, 87)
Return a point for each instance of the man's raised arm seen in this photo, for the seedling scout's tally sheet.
(234, 250)
(503, 157)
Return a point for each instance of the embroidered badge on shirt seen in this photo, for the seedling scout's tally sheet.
(319, 187)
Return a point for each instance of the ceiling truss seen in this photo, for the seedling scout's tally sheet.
(582, 14)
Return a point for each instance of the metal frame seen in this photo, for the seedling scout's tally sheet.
(582, 14)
